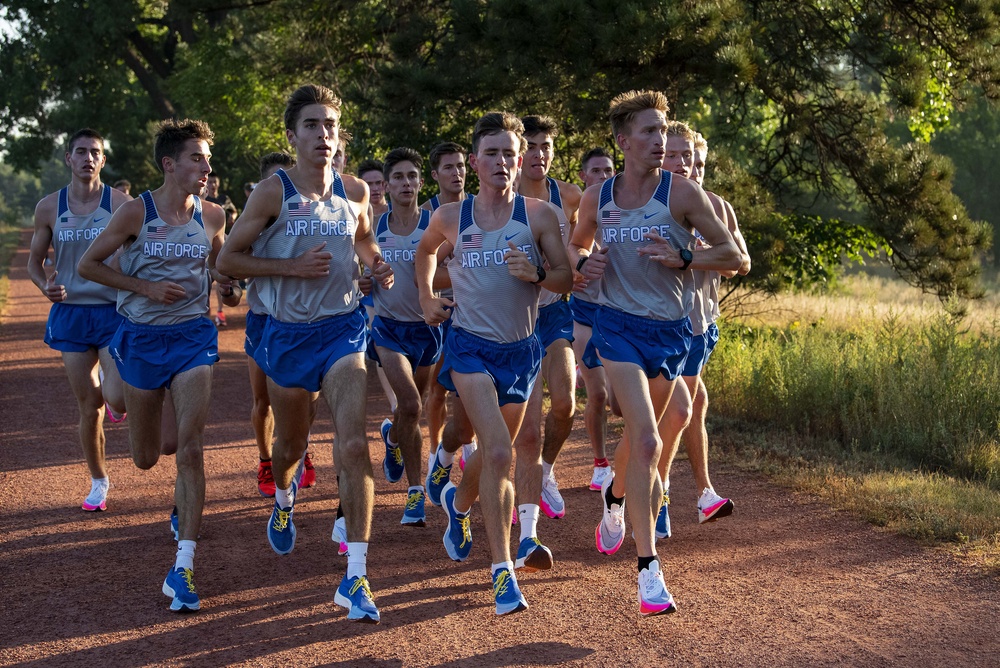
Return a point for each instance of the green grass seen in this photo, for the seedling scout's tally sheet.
(9, 237)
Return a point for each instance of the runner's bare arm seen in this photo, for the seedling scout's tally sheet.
(41, 240)
(442, 230)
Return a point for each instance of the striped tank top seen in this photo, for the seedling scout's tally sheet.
(402, 301)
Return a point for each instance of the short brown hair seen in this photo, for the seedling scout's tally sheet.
(679, 129)
(624, 108)
(441, 150)
(80, 134)
(303, 97)
(275, 159)
(172, 134)
(535, 124)
(496, 122)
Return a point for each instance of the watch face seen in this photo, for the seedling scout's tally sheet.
(686, 255)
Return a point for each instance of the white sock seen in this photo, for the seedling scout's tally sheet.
(357, 560)
(527, 519)
(546, 469)
(284, 498)
(415, 488)
(185, 554)
(446, 458)
(509, 565)
(97, 482)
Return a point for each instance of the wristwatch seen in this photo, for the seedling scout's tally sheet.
(687, 256)
(541, 275)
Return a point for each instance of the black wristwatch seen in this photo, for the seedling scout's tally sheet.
(687, 256)
(579, 265)
(541, 275)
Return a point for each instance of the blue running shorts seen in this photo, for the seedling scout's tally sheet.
(296, 354)
(513, 367)
(417, 341)
(254, 328)
(76, 328)
(702, 346)
(555, 322)
(149, 356)
(583, 311)
(656, 346)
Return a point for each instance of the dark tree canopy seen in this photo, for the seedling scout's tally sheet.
(797, 99)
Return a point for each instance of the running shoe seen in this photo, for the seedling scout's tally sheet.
(96, 501)
(175, 524)
(340, 535)
(506, 593)
(610, 533)
(600, 473)
(413, 514)
(392, 465)
(308, 473)
(654, 599)
(112, 416)
(458, 535)
(355, 594)
(711, 506)
(532, 556)
(467, 451)
(663, 518)
(552, 502)
(438, 475)
(220, 319)
(179, 586)
(265, 479)
(280, 528)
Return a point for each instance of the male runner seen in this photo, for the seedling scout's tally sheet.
(500, 241)
(370, 171)
(555, 331)
(595, 168)
(212, 194)
(646, 220)
(171, 239)
(307, 227)
(684, 155)
(407, 347)
(83, 317)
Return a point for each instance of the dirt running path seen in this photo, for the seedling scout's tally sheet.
(786, 581)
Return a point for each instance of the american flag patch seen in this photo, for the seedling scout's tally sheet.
(156, 232)
(71, 221)
(300, 210)
(387, 242)
(472, 240)
(611, 217)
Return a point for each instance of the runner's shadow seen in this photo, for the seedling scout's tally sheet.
(534, 654)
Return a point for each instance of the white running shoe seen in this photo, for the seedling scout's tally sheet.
(610, 533)
(552, 502)
(467, 451)
(654, 599)
(97, 499)
(711, 506)
(600, 473)
(340, 535)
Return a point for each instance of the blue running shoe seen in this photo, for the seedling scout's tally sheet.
(174, 524)
(438, 475)
(532, 556)
(280, 528)
(663, 518)
(506, 593)
(458, 535)
(179, 586)
(392, 465)
(413, 514)
(356, 595)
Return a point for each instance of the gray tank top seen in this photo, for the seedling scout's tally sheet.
(402, 301)
(706, 300)
(164, 252)
(71, 237)
(489, 302)
(633, 283)
(547, 297)
(302, 225)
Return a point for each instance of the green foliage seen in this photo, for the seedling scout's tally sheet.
(928, 396)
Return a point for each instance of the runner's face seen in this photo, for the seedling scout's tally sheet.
(698, 168)
(643, 142)
(597, 170)
(340, 158)
(678, 156)
(212, 187)
(404, 183)
(376, 186)
(86, 158)
(450, 174)
(191, 168)
(497, 160)
(316, 134)
(538, 157)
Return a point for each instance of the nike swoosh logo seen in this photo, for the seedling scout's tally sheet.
(192, 234)
(647, 217)
(213, 354)
(510, 237)
(415, 241)
(97, 220)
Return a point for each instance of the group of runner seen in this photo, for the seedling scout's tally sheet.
(469, 296)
